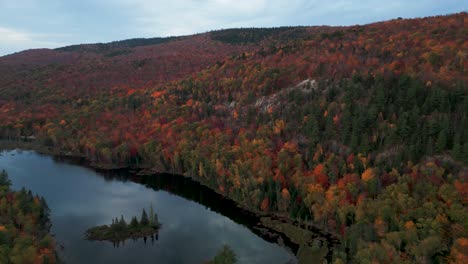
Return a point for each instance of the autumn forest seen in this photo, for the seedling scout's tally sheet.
(361, 131)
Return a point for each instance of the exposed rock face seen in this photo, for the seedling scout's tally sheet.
(265, 102)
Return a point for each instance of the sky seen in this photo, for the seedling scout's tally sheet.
(27, 24)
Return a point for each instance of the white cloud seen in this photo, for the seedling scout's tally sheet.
(10, 35)
(16, 40)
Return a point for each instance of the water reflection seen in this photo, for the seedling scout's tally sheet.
(80, 198)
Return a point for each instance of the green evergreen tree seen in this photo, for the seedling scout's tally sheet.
(122, 222)
(156, 219)
(312, 130)
(4, 180)
(354, 139)
(465, 153)
(457, 148)
(364, 147)
(441, 142)
(144, 218)
(134, 222)
(430, 147)
(380, 98)
(329, 132)
(225, 256)
(151, 215)
(346, 125)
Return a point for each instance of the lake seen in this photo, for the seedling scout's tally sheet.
(196, 222)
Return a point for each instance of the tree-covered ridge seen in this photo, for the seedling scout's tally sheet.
(379, 122)
(113, 70)
(116, 45)
(24, 227)
(257, 35)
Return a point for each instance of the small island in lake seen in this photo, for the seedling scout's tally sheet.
(119, 230)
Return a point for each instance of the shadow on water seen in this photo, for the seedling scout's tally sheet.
(194, 191)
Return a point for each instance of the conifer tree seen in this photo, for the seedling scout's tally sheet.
(122, 222)
(441, 142)
(134, 222)
(144, 218)
(151, 215)
(457, 148)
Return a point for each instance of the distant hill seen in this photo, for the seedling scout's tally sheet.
(122, 44)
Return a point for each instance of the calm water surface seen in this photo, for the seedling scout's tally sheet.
(80, 198)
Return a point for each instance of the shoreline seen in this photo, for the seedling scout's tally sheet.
(267, 229)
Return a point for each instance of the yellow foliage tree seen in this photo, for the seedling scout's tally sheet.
(368, 175)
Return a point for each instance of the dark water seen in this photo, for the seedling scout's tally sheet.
(195, 220)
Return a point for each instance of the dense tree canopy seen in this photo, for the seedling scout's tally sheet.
(361, 130)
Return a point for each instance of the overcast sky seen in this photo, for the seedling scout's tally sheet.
(26, 24)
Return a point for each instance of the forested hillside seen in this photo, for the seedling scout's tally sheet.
(360, 130)
(24, 226)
